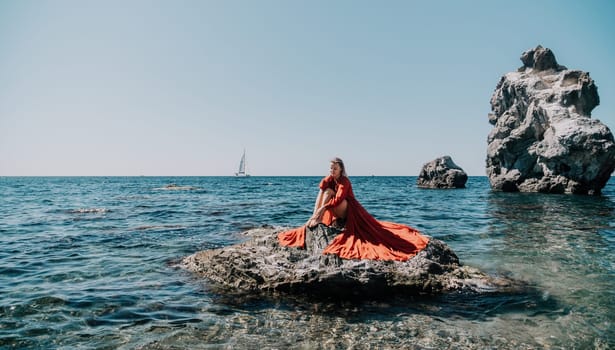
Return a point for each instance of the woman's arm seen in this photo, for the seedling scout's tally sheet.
(319, 200)
(315, 218)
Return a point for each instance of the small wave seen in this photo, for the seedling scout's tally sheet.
(31, 306)
(88, 211)
(174, 187)
(217, 213)
(13, 271)
(132, 198)
(159, 227)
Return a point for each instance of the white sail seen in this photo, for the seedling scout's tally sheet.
(242, 166)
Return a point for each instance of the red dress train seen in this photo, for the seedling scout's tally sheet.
(363, 237)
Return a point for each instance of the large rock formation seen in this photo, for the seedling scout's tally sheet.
(544, 139)
(262, 265)
(442, 173)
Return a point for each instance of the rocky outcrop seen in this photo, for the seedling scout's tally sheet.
(544, 139)
(442, 173)
(262, 265)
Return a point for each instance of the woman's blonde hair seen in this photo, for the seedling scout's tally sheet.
(340, 162)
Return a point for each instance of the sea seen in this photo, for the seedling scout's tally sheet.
(92, 263)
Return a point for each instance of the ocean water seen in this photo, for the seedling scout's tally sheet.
(89, 263)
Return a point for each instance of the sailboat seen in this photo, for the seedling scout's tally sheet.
(242, 166)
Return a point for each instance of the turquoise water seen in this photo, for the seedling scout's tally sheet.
(88, 262)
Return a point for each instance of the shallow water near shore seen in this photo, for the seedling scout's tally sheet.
(88, 262)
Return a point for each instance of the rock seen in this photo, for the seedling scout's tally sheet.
(262, 265)
(442, 173)
(539, 59)
(544, 139)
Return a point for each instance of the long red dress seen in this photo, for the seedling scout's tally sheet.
(363, 237)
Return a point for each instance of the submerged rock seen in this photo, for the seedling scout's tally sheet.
(262, 265)
(544, 139)
(442, 173)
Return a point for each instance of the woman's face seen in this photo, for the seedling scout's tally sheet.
(335, 170)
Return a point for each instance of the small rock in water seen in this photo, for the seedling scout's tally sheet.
(442, 173)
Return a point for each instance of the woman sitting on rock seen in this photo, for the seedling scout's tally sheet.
(363, 237)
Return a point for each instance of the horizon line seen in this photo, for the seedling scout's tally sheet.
(214, 176)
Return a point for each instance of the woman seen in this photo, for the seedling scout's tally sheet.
(363, 237)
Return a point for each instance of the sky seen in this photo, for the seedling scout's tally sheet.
(181, 88)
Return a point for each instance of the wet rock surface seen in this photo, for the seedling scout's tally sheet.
(544, 139)
(442, 173)
(261, 265)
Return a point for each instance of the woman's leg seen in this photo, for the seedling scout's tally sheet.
(341, 211)
(322, 198)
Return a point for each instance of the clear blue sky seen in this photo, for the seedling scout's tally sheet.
(182, 87)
